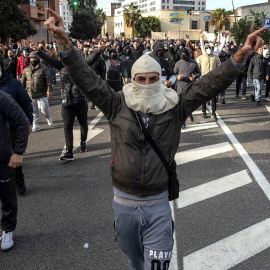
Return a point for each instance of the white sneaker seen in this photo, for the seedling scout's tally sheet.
(36, 128)
(267, 99)
(49, 121)
(7, 240)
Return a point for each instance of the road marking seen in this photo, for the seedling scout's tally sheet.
(258, 175)
(91, 133)
(202, 152)
(212, 189)
(268, 108)
(198, 127)
(174, 260)
(232, 250)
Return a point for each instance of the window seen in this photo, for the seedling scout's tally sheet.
(153, 8)
(194, 24)
(203, 3)
(168, 7)
(64, 13)
(184, 2)
(43, 31)
(183, 7)
(38, 30)
(199, 3)
(202, 8)
(64, 7)
(168, 1)
(227, 26)
(163, 7)
(33, 2)
(152, 3)
(206, 26)
(163, 1)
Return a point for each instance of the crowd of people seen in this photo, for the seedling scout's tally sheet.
(137, 84)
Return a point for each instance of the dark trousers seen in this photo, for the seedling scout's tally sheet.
(241, 79)
(8, 199)
(213, 103)
(19, 176)
(78, 110)
(267, 88)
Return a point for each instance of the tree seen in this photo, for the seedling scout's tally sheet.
(131, 15)
(241, 30)
(85, 24)
(14, 23)
(82, 4)
(102, 17)
(148, 24)
(219, 18)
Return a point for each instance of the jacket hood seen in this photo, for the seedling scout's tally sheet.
(157, 46)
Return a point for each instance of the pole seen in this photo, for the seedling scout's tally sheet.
(235, 22)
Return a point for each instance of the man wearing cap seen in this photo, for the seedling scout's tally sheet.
(142, 214)
(208, 62)
(36, 78)
(23, 62)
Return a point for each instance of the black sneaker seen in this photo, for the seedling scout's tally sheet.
(252, 98)
(83, 147)
(67, 156)
(21, 188)
(223, 101)
(191, 118)
(258, 103)
(203, 115)
(214, 116)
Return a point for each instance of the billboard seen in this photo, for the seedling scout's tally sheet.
(176, 18)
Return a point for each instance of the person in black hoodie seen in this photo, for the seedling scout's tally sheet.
(10, 159)
(128, 61)
(10, 63)
(15, 88)
(168, 76)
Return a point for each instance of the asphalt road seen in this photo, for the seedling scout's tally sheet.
(65, 218)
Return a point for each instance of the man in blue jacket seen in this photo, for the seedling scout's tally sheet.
(10, 159)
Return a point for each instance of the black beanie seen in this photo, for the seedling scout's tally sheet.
(185, 51)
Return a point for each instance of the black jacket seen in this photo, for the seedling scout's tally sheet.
(258, 68)
(11, 111)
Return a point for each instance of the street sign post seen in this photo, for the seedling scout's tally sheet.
(266, 23)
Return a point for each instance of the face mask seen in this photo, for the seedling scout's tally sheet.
(223, 49)
(185, 57)
(160, 54)
(181, 47)
(113, 56)
(50, 46)
(25, 53)
(267, 56)
(34, 62)
(55, 46)
(208, 51)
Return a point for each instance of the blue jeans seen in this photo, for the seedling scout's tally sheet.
(258, 84)
(145, 234)
(53, 74)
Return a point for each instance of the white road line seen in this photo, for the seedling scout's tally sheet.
(259, 177)
(174, 261)
(212, 189)
(91, 133)
(232, 250)
(268, 108)
(202, 152)
(199, 127)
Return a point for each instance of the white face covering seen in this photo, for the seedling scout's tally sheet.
(154, 98)
(264, 52)
(223, 49)
(208, 51)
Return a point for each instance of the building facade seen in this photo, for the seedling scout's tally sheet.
(66, 14)
(36, 11)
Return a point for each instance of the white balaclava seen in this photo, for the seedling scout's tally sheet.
(155, 98)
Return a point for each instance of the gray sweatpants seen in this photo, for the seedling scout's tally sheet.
(145, 234)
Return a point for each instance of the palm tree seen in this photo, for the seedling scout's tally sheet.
(131, 15)
(256, 19)
(102, 17)
(241, 29)
(219, 18)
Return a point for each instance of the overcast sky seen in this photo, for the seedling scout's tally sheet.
(210, 4)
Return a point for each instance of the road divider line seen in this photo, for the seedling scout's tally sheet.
(212, 189)
(232, 250)
(199, 127)
(258, 175)
(202, 152)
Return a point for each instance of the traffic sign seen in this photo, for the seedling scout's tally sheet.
(207, 18)
(266, 23)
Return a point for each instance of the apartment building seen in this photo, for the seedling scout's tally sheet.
(66, 14)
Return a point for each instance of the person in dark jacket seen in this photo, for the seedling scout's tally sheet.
(173, 57)
(10, 159)
(258, 71)
(142, 213)
(168, 76)
(136, 51)
(10, 63)
(15, 88)
(115, 71)
(267, 88)
(128, 61)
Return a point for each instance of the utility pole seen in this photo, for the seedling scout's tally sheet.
(235, 22)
